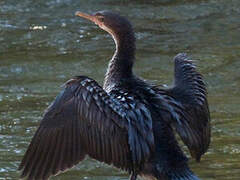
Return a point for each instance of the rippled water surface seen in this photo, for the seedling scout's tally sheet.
(42, 44)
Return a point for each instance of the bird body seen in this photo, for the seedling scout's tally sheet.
(128, 122)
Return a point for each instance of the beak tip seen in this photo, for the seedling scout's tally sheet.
(86, 16)
(76, 13)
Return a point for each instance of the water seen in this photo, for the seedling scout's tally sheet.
(42, 44)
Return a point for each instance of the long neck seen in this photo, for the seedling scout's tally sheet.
(120, 66)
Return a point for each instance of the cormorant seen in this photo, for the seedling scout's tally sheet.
(128, 122)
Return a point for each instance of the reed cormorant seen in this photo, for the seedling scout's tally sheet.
(128, 123)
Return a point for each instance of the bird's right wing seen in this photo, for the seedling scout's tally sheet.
(84, 119)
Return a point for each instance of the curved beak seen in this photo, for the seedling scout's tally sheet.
(87, 16)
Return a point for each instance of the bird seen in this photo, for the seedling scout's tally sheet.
(129, 123)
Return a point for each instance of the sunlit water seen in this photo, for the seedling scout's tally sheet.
(42, 44)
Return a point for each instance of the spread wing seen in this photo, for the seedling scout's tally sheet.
(188, 99)
(82, 120)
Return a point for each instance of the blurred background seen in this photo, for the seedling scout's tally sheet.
(42, 44)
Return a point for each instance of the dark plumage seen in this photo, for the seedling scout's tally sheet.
(128, 123)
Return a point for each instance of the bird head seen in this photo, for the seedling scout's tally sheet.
(108, 21)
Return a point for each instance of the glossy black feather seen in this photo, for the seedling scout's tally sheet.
(189, 100)
(77, 108)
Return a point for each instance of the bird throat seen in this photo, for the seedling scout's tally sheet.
(120, 66)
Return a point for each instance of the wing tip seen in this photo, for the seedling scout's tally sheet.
(20, 167)
(181, 56)
(196, 156)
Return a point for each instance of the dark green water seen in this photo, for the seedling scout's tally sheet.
(42, 44)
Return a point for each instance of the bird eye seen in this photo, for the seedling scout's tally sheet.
(101, 19)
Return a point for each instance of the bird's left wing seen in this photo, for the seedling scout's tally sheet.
(84, 119)
(187, 103)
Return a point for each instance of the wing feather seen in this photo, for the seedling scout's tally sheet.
(188, 97)
(84, 119)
